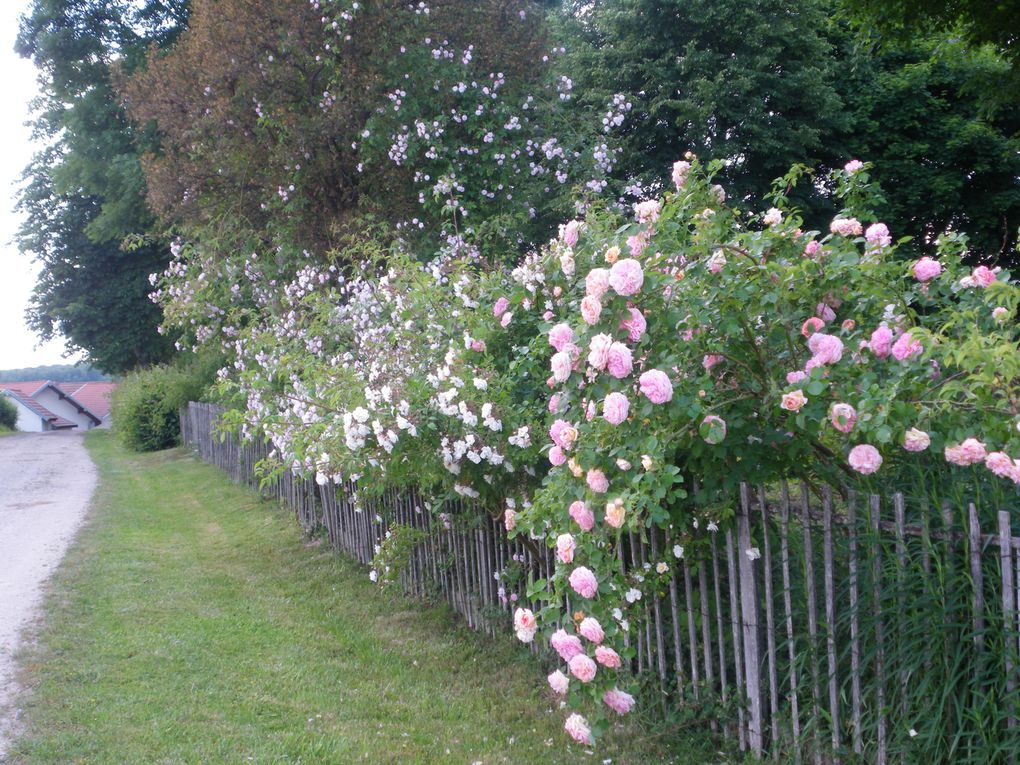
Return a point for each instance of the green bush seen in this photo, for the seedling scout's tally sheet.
(8, 414)
(146, 406)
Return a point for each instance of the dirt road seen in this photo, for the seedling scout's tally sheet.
(46, 482)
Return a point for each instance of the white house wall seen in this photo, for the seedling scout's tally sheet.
(28, 421)
(63, 408)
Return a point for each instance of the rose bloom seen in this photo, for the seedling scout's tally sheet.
(648, 212)
(607, 657)
(1000, 463)
(597, 481)
(795, 377)
(575, 467)
(812, 325)
(591, 629)
(525, 625)
(596, 283)
(710, 360)
(716, 262)
(793, 401)
(500, 307)
(848, 227)
(843, 417)
(565, 548)
(582, 515)
(655, 386)
(556, 431)
(560, 336)
(510, 519)
(970, 452)
(561, 365)
(853, 166)
(568, 232)
(915, 440)
(591, 309)
(714, 428)
(567, 646)
(772, 217)
(926, 269)
(615, 408)
(1000, 314)
(612, 255)
(556, 456)
(619, 701)
(635, 325)
(583, 582)
(559, 682)
(578, 729)
(811, 248)
(983, 276)
(881, 341)
(568, 437)
(554, 403)
(626, 277)
(598, 351)
(681, 169)
(878, 236)
(620, 361)
(849, 325)
(865, 459)
(615, 513)
(825, 349)
(906, 347)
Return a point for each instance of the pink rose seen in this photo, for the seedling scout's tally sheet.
(647, 212)
(591, 629)
(583, 668)
(812, 325)
(825, 349)
(681, 170)
(635, 325)
(1000, 463)
(556, 456)
(655, 386)
(793, 401)
(505, 321)
(915, 440)
(560, 335)
(554, 403)
(853, 166)
(500, 307)
(565, 548)
(557, 430)
(567, 646)
(559, 683)
(865, 459)
(848, 325)
(510, 519)
(478, 346)
(637, 243)
(525, 625)
(878, 236)
(615, 513)
(620, 360)
(983, 276)
(615, 408)
(561, 365)
(843, 417)
(591, 309)
(926, 269)
(607, 657)
(710, 360)
(568, 232)
(582, 515)
(881, 341)
(970, 452)
(578, 729)
(811, 248)
(626, 277)
(713, 429)
(906, 347)
(619, 701)
(583, 582)
(848, 227)
(597, 481)
(598, 351)
(597, 282)
(795, 377)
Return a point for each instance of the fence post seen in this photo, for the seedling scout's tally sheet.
(750, 617)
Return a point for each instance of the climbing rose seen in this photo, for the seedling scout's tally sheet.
(793, 401)
(598, 351)
(619, 701)
(626, 277)
(906, 347)
(648, 212)
(510, 519)
(568, 232)
(655, 386)
(812, 325)
(525, 625)
(591, 629)
(561, 365)
(615, 513)
(825, 349)
(915, 440)
(1000, 313)
(1000, 464)
(983, 276)
(597, 481)
(565, 548)
(843, 417)
(926, 269)
(620, 361)
(560, 335)
(582, 516)
(583, 668)
(500, 307)
(877, 235)
(559, 683)
(615, 408)
(596, 283)
(584, 583)
(709, 360)
(853, 166)
(848, 227)
(865, 459)
(578, 729)
(607, 657)
(556, 456)
(635, 325)
(881, 342)
(591, 309)
(772, 217)
(567, 646)
(970, 452)
(558, 430)
(795, 377)
(680, 171)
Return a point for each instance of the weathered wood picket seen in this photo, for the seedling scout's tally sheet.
(811, 651)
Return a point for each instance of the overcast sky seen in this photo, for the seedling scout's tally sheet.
(18, 344)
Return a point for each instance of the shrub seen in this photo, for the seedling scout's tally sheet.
(8, 414)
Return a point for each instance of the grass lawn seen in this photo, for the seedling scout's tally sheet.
(191, 623)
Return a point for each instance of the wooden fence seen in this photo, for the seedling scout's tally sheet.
(799, 623)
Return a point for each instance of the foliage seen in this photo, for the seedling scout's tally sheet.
(84, 192)
(8, 414)
(54, 372)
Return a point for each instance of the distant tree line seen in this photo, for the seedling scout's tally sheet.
(54, 372)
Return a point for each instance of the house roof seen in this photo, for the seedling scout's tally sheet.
(55, 421)
(30, 389)
(93, 395)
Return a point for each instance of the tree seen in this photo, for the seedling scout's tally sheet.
(84, 192)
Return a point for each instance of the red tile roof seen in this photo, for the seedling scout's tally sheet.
(55, 421)
(94, 396)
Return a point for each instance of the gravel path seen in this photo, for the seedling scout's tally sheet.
(46, 482)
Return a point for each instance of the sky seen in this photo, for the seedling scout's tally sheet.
(19, 346)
